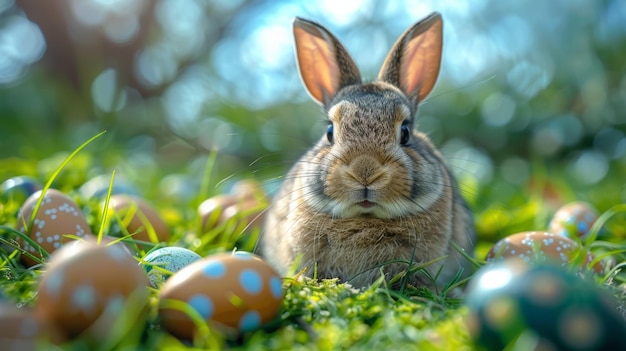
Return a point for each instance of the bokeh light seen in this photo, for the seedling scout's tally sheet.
(519, 84)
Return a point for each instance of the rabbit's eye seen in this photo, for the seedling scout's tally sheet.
(329, 133)
(405, 134)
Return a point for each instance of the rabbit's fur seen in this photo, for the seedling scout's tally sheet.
(372, 191)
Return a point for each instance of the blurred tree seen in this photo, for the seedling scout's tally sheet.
(524, 84)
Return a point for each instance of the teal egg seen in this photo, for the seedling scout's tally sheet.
(511, 303)
(161, 263)
(19, 188)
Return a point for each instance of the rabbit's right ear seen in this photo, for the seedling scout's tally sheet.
(324, 64)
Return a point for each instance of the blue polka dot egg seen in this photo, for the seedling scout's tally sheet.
(573, 220)
(232, 292)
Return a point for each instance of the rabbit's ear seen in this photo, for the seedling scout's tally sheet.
(324, 64)
(413, 63)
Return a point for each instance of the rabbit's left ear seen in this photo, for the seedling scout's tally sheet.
(324, 64)
(413, 63)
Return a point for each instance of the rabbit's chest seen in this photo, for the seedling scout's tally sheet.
(362, 242)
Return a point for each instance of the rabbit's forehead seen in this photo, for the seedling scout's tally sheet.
(369, 108)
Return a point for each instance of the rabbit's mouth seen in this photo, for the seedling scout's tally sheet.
(366, 204)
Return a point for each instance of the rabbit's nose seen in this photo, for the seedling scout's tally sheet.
(367, 171)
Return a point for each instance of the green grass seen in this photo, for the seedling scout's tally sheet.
(321, 315)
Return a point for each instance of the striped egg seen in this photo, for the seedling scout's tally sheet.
(57, 216)
(88, 288)
(161, 263)
(232, 292)
(573, 220)
(539, 247)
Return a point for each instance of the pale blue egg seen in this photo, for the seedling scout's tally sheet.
(163, 262)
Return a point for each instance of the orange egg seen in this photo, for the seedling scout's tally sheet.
(141, 220)
(57, 216)
(539, 247)
(210, 210)
(87, 287)
(236, 291)
(243, 210)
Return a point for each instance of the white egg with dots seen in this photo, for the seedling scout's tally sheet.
(57, 219)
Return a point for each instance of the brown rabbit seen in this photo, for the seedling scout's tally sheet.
(372, 195)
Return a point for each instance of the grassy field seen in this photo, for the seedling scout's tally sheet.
(323, 315)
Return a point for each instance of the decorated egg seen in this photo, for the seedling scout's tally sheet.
(237, 292)
(57, 216)
(573, 220)
(242, 209)
(511, 302)
(161, 263)
(540, 247)
(139, 218)
(88, 288)
(210, 210)
(19, 188)
(98, 187)
(20, 329)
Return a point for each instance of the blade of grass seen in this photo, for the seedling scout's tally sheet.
(105, 210)
(53, 177)
(204, 186)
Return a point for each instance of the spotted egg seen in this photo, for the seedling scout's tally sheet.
(232, 292)
(512, 305)
(88, 288)
(139, 218)
(540, 247)
(161, 263)
(573, 220)
(57, 216)
(20, 330)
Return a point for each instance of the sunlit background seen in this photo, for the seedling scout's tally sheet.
(526, 86)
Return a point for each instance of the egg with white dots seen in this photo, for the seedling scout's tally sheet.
(541, 247)
(57, 217)
(235, 293)
(573, 220)
(88, 286)
(161, 263)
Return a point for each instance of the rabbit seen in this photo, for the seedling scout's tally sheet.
(373, 194)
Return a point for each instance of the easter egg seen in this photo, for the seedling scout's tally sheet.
(210, 210)
(21, 330)
(162, 263)
(573, 220)
(511, 302)
(19, 188)
(237, 292)
(540, 247)
(57, 216)
(98, 187)
(139, 218)
(87, 288)
(243, 209)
